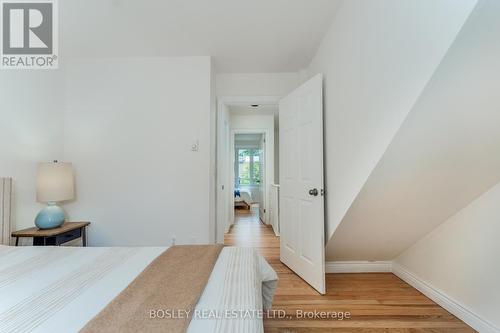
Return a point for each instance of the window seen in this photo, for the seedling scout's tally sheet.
(249, 165)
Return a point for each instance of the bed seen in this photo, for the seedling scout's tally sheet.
(53, 289)
(242, 198)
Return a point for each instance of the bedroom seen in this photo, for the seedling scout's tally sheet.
(404, 155)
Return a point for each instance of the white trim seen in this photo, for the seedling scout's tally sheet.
(358, 266)
(268, 175)
(448, 303)
(454, 307)
(223, 223)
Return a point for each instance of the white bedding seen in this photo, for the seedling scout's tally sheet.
(245, 196)
(59, 289)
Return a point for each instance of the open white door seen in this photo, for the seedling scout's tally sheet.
(302, 244)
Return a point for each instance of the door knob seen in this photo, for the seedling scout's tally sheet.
(313, 192)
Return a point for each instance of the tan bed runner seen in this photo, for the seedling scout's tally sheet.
(175, 280)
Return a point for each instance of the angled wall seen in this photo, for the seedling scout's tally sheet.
(377, 58)
(444, 156)
(460, 259)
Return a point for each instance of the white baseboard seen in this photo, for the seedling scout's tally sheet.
(452, 306)
(448, 303)
(358, 266)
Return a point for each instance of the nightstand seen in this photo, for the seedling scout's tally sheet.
(54, 237)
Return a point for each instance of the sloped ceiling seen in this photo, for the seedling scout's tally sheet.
(446, 153)
(377, 58)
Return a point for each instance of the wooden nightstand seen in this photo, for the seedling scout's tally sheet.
(57, 236)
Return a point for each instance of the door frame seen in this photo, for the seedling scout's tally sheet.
(224, 219)
(264, 183)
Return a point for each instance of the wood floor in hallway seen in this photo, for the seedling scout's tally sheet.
(378, 302)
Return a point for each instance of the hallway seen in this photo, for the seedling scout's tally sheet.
(378, 302)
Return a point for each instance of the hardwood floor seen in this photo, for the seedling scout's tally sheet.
(378, 302)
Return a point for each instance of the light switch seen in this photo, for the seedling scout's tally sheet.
(195, 146)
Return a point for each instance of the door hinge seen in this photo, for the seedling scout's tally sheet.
(322, 192)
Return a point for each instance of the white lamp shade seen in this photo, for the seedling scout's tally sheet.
(54, 182)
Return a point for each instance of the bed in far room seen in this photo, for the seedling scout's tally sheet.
(242, 198)
(99, 289)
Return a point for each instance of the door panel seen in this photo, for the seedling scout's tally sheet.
(301, 172)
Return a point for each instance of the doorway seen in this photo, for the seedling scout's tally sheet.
(247, 158)
(249, 172)
(301, 214)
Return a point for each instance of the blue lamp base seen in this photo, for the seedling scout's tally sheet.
(50, 217)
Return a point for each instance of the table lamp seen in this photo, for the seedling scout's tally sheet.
(54, 183)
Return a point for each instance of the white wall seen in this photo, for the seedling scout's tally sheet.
(30, 132)
(256, 84)
(129, 127)
(460, 257)
(376, 58)
(445, 154)
(262, 123)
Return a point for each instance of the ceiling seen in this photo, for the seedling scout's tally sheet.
(248, 137)
(254, 36)
(247, 141)
(261, 109)
(250, 110)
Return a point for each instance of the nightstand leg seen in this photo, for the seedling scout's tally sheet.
(84, 237)
(17, 241)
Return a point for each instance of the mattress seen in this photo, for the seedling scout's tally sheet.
(54, 289)
(244, 196)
